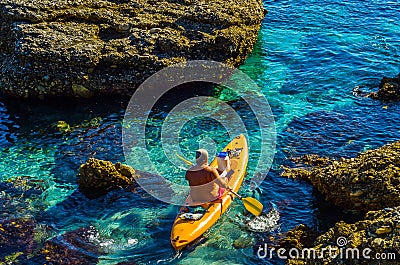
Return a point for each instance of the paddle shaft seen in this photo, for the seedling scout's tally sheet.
(184, 160)
(234, 193)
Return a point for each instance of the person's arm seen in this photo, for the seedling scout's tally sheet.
(221, 181)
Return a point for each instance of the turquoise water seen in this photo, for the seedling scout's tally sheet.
(308, 58)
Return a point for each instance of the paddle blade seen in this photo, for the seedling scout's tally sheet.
(252, 205)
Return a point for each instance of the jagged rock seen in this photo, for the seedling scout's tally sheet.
(88, 48)
(97, 177)
(298, 238)
(371, 181)
(389, 89)
(362, 236)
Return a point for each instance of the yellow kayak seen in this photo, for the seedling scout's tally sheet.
(185, 231)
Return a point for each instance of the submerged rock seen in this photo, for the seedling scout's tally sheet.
(24, 241)
(371, 181)
(65, 128)
(21, 197)
(88, 48)
(360, 242)
(97, 177)
(80, 246)
(16, 235)
(389, 89)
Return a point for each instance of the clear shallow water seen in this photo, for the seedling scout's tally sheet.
(309, 57)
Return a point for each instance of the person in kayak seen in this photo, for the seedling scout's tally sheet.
(206, 184)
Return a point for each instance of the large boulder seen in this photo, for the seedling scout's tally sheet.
(371, 181)
(97, 177)
(87, 48)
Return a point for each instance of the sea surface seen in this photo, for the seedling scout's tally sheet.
(309, 57)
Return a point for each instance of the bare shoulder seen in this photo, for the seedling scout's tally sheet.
(211, 170)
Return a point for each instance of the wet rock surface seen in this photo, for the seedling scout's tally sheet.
(389, 89)
(371, 181)
(378, 234)
(89, 48)
(97, 177)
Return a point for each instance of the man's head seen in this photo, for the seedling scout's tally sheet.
(201, 157)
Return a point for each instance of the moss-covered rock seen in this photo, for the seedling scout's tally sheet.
(371, 181)
(87, 48)
(98, 177)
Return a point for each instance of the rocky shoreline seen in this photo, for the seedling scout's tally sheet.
(389, 89)
(368, 183)
(92, 48)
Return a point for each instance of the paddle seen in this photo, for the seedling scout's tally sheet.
(252, 205)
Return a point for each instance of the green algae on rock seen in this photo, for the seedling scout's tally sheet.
(89, 48)
(65, 128)
(97, 177)
(371, 181)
